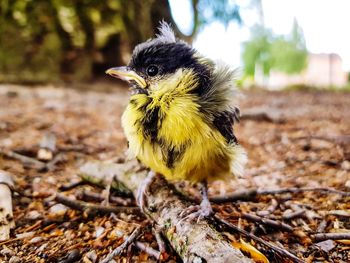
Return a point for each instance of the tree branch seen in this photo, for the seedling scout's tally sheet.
(191, 240)
(333, 236)
(134, 235)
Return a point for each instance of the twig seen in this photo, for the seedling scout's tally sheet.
(25, 160)
(92, 208)
(270, 209)
(129, 253)
(252, 193)
(91, 196)
(50, 166)
(332, 236)
(340, 213)
(160, 241)
(248, 194)
(267, 221)
(293, 214)
(146, 248)
(305, 189)
(72, 185)
(29, 161)
(134, 235)
(279, 250)
(322, 226)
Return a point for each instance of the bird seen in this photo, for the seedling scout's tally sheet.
(180, 115)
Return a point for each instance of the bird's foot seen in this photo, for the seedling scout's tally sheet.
(143, 189)
(197, 212)
(106, 195)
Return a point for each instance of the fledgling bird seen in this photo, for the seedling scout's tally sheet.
(179, 120)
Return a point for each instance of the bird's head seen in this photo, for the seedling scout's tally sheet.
(160, 60)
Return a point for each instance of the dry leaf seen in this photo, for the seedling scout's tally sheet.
(344, 241)
(255, 254)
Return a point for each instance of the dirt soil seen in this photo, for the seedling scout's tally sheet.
(301, 140)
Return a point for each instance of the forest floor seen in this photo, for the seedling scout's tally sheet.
(300, 141)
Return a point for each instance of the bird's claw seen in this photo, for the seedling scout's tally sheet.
(197, 212)
(142, 190)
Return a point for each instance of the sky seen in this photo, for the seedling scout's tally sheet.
(325, 24)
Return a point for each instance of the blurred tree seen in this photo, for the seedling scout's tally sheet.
(267, 51)
(289, 53)
(257, 51)
(73, 40)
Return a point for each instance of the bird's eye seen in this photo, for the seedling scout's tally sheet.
(152, 71)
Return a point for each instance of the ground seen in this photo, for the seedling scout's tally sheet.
(300, 143)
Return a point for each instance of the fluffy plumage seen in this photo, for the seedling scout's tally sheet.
(179, 121)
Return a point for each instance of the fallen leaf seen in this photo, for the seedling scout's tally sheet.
(326, 245)
(255, 254)
(344, 241)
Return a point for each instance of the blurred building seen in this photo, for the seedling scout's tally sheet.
(323, 70)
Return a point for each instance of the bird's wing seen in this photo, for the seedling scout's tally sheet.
(220, 96)
(224, 123)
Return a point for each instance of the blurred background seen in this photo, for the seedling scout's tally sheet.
(275, 44)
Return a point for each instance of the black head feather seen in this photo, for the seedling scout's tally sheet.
(168, 55)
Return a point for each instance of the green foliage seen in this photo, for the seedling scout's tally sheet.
(44, 40)
(258, 51)
(287, 54)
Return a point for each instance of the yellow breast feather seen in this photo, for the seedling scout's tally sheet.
(182, 144)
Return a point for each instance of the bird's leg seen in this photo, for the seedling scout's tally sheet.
(142, 190)
(202, 210)
(205, 203)
(107, 191)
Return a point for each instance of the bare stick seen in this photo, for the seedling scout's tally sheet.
(134, 235)
(267, 221)
(50, 166)
(92, 208)
(91, 196)
(322, 226)
(72, 185)
(34, 163)
(294, 190)
(332, 236)
(158, 234)
(270, 209)
(294, 214)
(25, 160)
(279, 250)
(250, 194)
(146, 248)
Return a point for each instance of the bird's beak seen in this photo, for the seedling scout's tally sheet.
(128, 75)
